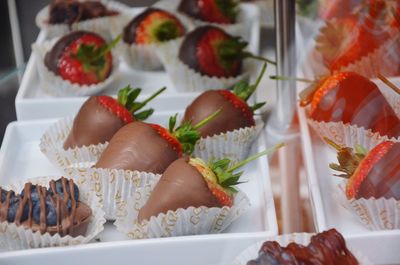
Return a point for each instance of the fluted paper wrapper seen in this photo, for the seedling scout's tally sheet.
(252, 251)
(373, 213)
(104, 26)
(13, 237)
(234, 145)
(391, 96)
(186, 79)
(51, 144)
(56, 86)
(113, 186)
(190, 221)
(385, 60)
(348, 135)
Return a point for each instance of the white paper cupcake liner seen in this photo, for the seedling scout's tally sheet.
(348, 135)
(186, 79)
(375, 214)
(103, 26)
(113, 187)
(190, 221)
(13, 237)
(51, 144)
(385, 60)
(234, 145)
(56, 86)
(251, 252)
(391, 96)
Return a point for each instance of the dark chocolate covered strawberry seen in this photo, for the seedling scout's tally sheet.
(235, 114)
(351, 98)
(214, 11)
(211, 51)
(72, 11)
(153, 26)
(150, 147)
(191, 182)
(100, 117)
(370, 174)
(81, 57)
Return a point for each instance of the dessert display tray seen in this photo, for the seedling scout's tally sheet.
(20, 158)
(328, 212)
(33, 103)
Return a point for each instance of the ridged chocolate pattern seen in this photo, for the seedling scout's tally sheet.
(93, 124)
(326, 248)
(207, 103)
(384, 178)
(72, 222)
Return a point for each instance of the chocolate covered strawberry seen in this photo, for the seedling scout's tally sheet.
(100, 117)
(150, 147)
(235, 114)
(190, 182)
(370, 174)
(214, 11)
(153, 26)
(81, 57)
(211, 51)
(353, 99)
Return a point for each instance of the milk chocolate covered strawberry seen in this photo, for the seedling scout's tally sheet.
(352, 99)
(235, 114)
(150, 147)
(373, 174)
(192, 182)
(81, 57)
(100, 117)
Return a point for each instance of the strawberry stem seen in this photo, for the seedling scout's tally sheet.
(243, 90)
(251, 158)
(288, 78)
(260, 58)
(207, 119)
(389, 84)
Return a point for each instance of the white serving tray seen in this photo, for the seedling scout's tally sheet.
(33, 103)
(20, 158)
(383, 246)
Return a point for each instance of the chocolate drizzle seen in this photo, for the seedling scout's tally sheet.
(328, 247)
(56, 210)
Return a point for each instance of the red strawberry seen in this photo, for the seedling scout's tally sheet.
(373, 174)
(150, 147)
(100, 117)
(235, 114)
(81, 57)
(344, 41)
(192, 182)
(214, 11)
(152, 26)
(351, 98)
(213, 52)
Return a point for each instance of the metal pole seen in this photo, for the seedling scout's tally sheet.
(280, 126)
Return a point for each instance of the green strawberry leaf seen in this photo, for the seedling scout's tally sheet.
(167, 31)
(229, 8)
(172, 123)
(143, 115)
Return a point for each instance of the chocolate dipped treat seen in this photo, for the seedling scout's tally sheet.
(56, 210)
(100, 117)
(153, 26)
(190, 182)
(211, 51)
(235, 114)
(81, 57)
(373, 174)
(214, 11)
(328, 247)
(150, 147)
(71, 11)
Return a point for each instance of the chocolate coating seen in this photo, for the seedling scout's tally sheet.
(93, 124)
(137, 146)
(181, 186)
(190, 8)
(73, 221)
(328, 247)
(383, 181)
(208, 102)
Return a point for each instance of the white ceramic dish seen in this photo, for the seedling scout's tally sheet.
(33, 103)
(20, 158)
